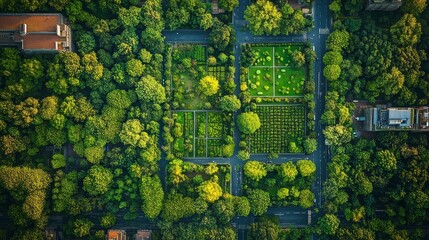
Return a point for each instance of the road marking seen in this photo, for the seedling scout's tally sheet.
(279, 214)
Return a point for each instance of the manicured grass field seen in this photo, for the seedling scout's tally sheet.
(280, 125)
(264, 56)
(273, 74)
(283, 54)
(260, 81)
(202, 134)
(289, 81)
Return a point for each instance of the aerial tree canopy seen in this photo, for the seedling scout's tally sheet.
(248, 122)
(209, 85)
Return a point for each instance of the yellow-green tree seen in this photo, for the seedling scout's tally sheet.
(210, 191)
(212, 168)
(306, 167)
(263, 17)
(209, 85)
(255, 170)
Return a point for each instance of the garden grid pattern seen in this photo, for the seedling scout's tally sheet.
(279, 125)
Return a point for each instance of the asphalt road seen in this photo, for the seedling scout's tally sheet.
(289, 216)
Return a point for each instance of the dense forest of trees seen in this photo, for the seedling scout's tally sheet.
(81, 131)
(376, 186)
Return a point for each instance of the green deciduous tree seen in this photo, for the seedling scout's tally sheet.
(94, 154)
(209, 85)
(82, 227)
(152, 196)
(97, 180)
(306, 167)
(85, 42)
(27, 186)
(337, 135)
(230, 103)
(328, 224)
(49, 107)
(228, 5)
(108, 220)
(267, 228)
(176, 206)
(259, 201)
(414, 6)
(263, 17)
(129, 17)
(298, 58)
(133, 134)
(255, 170)
(58, 161)
(338, 40)
(306, 198)
(407, 31)
(134, 67)
(149, 90)
(332, 58)
(222, 35)
(248, 122)
(242, 206)
(283, 193)
(92, 69)
(119, 99)
(288, 171)
(310, 145)
(386, 160)
(210, 191)
(332, 72)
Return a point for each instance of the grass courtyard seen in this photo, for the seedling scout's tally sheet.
(274, 73)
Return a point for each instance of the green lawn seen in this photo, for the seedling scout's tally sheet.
(289, 81)
(260, 81)
(273, 73)
(264, 56)
(283, 54)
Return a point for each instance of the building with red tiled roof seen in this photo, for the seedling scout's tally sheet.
(42, 32)
(116, 235)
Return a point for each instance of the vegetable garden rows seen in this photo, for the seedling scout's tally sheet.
(208, 129)
(282, 129)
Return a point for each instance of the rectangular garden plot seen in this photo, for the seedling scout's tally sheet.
(275, 73)
(289, 81)
(202, 136)
(184, 144)
(260, 81)
(189, 65)
(218, 72)
(282, 129)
